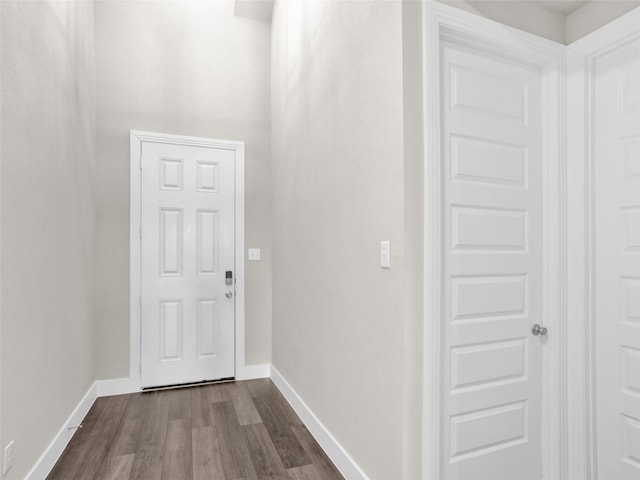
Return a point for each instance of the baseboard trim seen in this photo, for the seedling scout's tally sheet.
(50, 456)
(121, 386)
(338, 455)
(116, 386)
(250, 372)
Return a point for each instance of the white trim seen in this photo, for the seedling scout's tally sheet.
(579, 465)
(122, 386)
(250, 372)
(116, 386)
(52, 453)
(581, 226)
(444, 23)
(136, 139)
(338, 455)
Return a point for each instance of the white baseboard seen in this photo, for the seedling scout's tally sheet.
(338, 455)
(50, 456)
(249, 372)
(121, 386)
(116, 386)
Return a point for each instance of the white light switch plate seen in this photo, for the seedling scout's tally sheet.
(385, 254)
(254, 254)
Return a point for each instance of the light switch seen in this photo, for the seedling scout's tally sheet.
(254, 254)
(385, 254)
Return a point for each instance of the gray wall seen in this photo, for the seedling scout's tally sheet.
(47, 220)
(339, 320)
(188, 68)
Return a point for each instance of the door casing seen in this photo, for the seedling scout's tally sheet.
(137, 138)
(443, 23)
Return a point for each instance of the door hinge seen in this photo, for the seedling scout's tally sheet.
(140, 300)
(140, 161)
(140, 231)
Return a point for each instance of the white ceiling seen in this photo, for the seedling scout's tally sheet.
(564, 7)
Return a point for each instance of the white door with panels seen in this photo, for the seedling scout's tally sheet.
(493, 331)
(187, 263)
(616, 204)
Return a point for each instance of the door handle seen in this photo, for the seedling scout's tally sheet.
(228, 294)
(538, 330)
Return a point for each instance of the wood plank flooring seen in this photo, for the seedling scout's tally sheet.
(228, 431)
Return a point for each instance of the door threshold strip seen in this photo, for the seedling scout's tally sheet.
(188, 384)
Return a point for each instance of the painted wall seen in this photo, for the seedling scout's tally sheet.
(47, 220)
(340, 322)
(413, 281)
(594, 15)
(188, 68)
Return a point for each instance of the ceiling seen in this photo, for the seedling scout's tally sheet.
(564, 7)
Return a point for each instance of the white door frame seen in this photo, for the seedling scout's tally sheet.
(137, 139)
(444, 23)
(581, 274)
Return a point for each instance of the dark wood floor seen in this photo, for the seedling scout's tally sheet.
(230, 431)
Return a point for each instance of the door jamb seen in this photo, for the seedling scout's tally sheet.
(444, 23)
(137, 138)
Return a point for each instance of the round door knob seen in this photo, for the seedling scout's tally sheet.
(228, 294)
(538, 330)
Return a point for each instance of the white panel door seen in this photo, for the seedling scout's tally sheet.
(617, 261)
(187, 247)
(491, 126)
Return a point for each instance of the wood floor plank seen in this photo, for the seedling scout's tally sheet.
(207, 461)
(116, 467)
(291, 452)
(102, 436)
(180, 404)
(306, 472)
(243, 404)
(128, 433)
(178, 463)
(147, 464)
(218, 392)
(324, 466)
(72, 457)
(277, 399)
(259, 387)
(236, 461)
(201, 415)
(264, 455)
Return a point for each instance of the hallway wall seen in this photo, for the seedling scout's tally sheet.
(47, 276)
(187, 68)
(339, 320)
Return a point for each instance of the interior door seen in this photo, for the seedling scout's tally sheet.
(491, 127)
(617, 261)
(187, 237)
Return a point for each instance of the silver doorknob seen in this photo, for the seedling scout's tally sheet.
(538, 330)
(228, 294)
